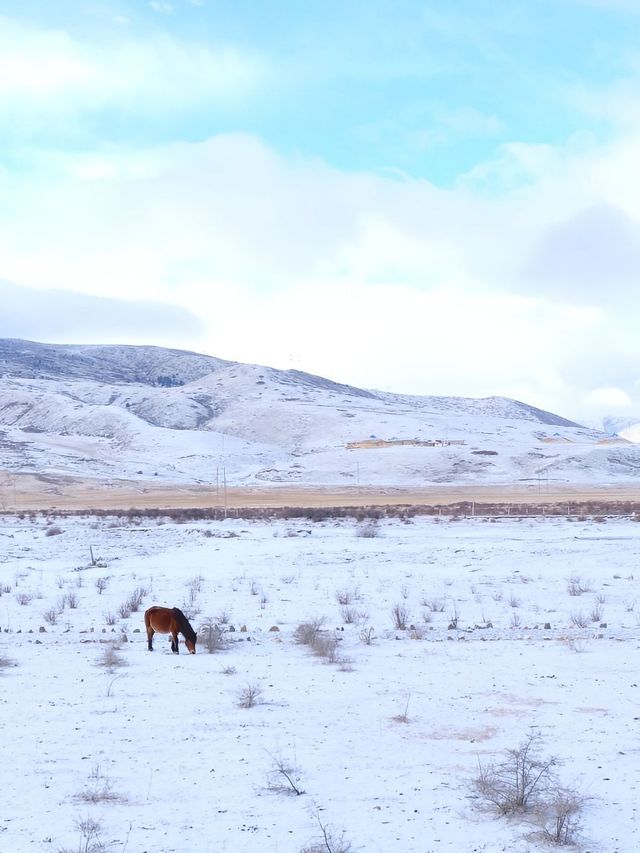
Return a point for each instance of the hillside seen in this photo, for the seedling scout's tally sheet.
(140, 412)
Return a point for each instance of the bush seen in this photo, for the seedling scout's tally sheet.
(347, 596)
(50, 616)
(110, 659)
(400, 616)
(349, 614)
(307, 632)
(90, 838)
(366, 636)
(577, 586)
(368, 531)
(560, 816)
(134, 602)
(520, 780)
(210, 636)
(249, 696)
(284, 778)
(328, 841)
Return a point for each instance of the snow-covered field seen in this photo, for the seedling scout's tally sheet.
(128, 750)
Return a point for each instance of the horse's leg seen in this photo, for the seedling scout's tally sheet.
(174, 643)
(150, 633)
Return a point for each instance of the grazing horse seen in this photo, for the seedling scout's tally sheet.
(170, 620)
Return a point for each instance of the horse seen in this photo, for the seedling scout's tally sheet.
(170, 620)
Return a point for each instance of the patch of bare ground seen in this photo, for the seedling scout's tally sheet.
(24, 492)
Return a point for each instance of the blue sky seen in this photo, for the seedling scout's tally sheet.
(426, 197)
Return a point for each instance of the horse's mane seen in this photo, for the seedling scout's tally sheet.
(185, 625)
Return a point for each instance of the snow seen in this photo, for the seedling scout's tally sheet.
(161, 755)
(265, 426)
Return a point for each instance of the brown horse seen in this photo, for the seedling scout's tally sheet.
(170, 620)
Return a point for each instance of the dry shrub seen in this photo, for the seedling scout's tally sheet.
(525, 782)
(109, 658)
(50, 616)
(321, 643)
(349, 614)
(249, 696)
(579, 620)
(90, 838)
(328, 841)
(134, 602)
(348, 595)
(326, 646)
(98, 789)
(307, 632)
(520, 781)
(577, 586)
(559, 816)
(284, 777)
(403, 716)
(211, 637)
(366, 636)
(368, 531)
(400, 615)
(71, 600)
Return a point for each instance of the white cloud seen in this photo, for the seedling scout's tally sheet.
(378, 282)
(45, 74)
(64, 316)
(608, 399)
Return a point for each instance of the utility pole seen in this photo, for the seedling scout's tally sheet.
(224, 482)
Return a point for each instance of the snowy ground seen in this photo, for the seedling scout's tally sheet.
(384, 740)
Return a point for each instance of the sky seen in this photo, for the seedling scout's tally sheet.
(420, 197)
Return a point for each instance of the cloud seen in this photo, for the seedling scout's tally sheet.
(594, 250)
(378, 281)
(608, 399)
(50, 76)
(161, 8)
(69, 317)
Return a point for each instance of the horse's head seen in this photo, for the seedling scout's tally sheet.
(191, 645)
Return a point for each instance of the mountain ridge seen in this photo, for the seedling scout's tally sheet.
(129, 411)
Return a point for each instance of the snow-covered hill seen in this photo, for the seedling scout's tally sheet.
(140, 412)
(624, 427)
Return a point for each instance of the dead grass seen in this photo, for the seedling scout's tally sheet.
(75, 494)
